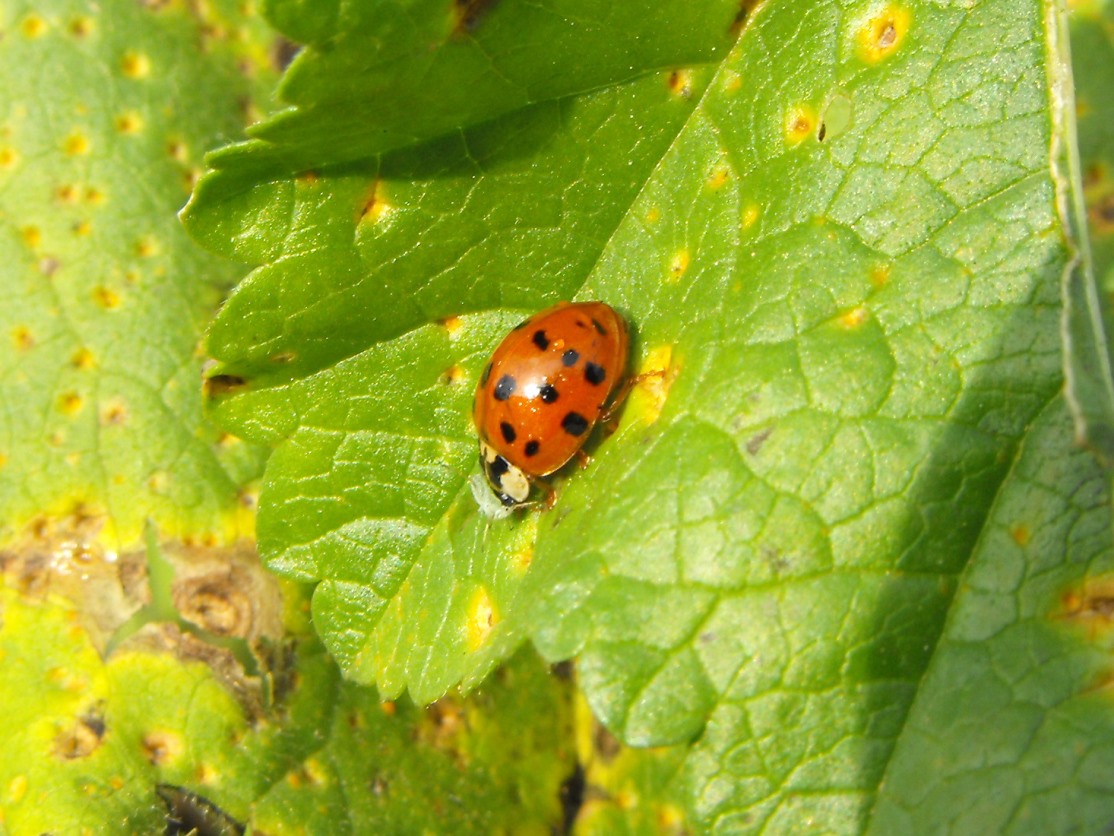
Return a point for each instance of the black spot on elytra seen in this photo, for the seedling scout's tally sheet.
(509, 435)
(487, 374)
(548, 393)
(531, 448)
(594, 374)
(580, 323)
(496, 468)
(599, 328)
(570, 357)
(505, 387)
(574, 423)
(541, 340)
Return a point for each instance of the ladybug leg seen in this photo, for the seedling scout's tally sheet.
(583, 459)
(607, 416)
(550, 498)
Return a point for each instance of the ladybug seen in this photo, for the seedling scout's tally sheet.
(547, 385)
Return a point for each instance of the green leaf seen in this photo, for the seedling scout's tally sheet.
(419, 69)
(107, 110)
(488, 764)
(87, 741)
(1011, 728)
(1090, 372)
(850, 265)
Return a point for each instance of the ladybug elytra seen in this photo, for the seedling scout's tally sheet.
(547, 385)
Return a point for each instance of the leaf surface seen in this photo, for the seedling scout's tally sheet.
(850, 267)
(105, 112)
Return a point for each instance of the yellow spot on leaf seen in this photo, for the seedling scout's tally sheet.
(83, 359)
(190, 177)
(177, 150)
(71, 403)
(680, 83)
(76, 145)
(146, 247)
(17, 789)
(653, 381)
(750, 215)
(800, 122)
(78, 741)
(8, 158)
(481, 619)
(161, 747)
(452, 324)
(881, 34)
(129, 123)
(653, 215)
(678, 265)
(32, 237)
(880, 275)
(719, 176)
(377, 207)
(135, 65)
(94, 196)
(452, 375)
(106, 297)
(33, 26)
(82, 228)
(853, 318)
(521, 559)
(732, 81)
(1021, 534)
(22, 338)
(315, 772)
(114, 413)
(67, 193)
(81, 27)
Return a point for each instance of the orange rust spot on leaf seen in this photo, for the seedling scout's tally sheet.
(853, 318)
(880, 35)
(81, 27)
(83, 359)
(129, 123)
(32, 26)
(161, 747)
(22, 338)
(880, 275)
(114, 413)
(1021, 534)
(76, 144)
(1090, 606)
(799, 124)
(377, 207)
(680, 83)
(135, 65)
(71, 403)
(106, 298)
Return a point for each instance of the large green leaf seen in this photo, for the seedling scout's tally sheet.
(1089, 285)
(1011, 730)
(844, 240)
(106, 110)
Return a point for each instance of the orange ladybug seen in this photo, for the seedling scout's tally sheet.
(547, 385)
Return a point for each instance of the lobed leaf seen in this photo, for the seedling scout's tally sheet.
(850, 267)
(107, 109)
